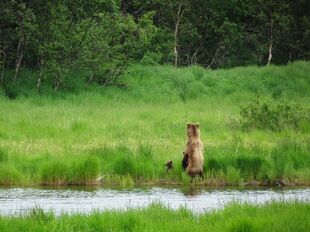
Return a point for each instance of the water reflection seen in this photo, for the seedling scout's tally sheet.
(192, 190)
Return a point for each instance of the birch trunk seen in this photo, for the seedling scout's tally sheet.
(39, 81)
(270, 39)
(176, 18)
(91, 77)
(20, 49)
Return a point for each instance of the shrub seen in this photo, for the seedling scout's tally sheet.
(272, 116)
(11, 91)
(151, 58)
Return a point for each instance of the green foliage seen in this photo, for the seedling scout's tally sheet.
(102, 38)
(3, 156)
(11, 91)
(151, 58)
(272, 116)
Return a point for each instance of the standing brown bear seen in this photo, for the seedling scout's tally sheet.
(193, 154)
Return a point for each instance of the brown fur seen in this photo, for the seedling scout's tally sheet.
(185, 161)
(194, 151)
(169, 165)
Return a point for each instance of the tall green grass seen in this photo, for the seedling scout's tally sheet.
(96, 135)
(235, 217)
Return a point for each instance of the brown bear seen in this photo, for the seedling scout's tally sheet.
(193, 160)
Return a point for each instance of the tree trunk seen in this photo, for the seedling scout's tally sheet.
(38, 86)
(175, 49)
(270, 39)
(56, 84)
(17, 67)
(3, 67)
(270, 54)
(57, 81)
(20, 49)
(91, 77)
(290, 55)
(176, 19)
(194, 57)
(213, 58)
(39, 81)
(2, 54)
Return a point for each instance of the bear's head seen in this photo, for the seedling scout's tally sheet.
(193, 130)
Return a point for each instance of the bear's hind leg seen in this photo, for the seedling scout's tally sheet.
(185, 161)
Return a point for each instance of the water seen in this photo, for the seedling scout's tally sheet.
(21, 200)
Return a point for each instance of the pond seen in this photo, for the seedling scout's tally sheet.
(86, 200)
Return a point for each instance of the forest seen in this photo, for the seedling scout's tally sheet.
(99, 39)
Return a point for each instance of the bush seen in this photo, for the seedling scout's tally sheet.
(11, 91)
(151, 58)
(272, 116)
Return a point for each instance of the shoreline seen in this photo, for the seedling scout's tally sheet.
(212, 183)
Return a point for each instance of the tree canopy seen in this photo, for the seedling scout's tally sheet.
(103, 36)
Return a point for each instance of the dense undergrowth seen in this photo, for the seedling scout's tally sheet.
(254, 121)
(281, 216)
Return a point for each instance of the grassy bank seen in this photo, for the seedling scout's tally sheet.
(270, 217)
(97, 135)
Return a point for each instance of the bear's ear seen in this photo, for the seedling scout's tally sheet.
(197, 124)
(188, 125)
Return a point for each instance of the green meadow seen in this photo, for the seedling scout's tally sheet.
(235, 217)
(255, 126)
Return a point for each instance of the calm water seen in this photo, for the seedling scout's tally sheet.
(20, 200)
